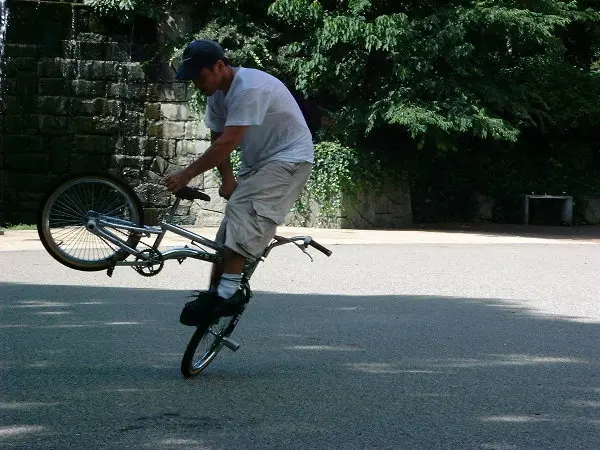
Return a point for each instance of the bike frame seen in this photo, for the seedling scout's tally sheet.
(97, 224)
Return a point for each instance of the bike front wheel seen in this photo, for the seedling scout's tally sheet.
(64, 212)
(205, 344)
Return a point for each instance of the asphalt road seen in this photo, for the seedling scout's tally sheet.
(413, 345)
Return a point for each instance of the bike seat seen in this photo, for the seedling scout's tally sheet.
(190, 193)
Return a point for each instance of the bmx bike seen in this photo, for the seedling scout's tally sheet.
(94, 221)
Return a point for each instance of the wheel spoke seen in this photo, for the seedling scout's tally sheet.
(78, 201)
(67, 207)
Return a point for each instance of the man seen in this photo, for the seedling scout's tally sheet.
(252, 110)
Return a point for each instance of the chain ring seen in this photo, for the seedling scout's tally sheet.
(156, 258)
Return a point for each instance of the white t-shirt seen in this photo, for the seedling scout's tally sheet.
(277, 130)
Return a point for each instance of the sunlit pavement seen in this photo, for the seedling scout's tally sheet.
(413, 339)
(465, 234)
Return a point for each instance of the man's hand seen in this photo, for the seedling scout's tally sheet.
(227, 188)
(214, 156)
(178, 180)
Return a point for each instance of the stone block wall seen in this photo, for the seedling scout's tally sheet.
(389, 209)
(83, 93)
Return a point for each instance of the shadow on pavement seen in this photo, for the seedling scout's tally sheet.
(91, 367)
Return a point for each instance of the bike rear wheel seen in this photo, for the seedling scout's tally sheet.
(63, 215)
(205, 344)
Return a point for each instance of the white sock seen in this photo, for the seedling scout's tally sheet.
(229, 284)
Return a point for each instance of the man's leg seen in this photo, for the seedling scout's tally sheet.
(259, 203)
(219, 268)
(226, 280)
(231, 278)
(234, 262)
(215, 275)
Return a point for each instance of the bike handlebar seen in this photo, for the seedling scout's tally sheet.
(315, 244)
(306, 241)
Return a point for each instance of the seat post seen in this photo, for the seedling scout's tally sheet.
(173, 210)
(167, 219)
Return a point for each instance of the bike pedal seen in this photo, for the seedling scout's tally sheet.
(230, 344)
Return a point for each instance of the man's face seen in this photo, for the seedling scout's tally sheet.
(210, 79)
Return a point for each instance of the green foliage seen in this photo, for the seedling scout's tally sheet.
(339, 174)
(332, 173)
(125, 10)
(113, 6)
(19, 227)
(236, 163)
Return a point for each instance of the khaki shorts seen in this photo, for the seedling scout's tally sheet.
(259, 204)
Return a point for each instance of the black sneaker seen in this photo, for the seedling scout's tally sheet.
(229, 306)
(198, 311)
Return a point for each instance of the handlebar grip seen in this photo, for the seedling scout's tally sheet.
(320, 247)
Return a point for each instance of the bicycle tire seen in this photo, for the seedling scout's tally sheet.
(213, 333)
(62, 214)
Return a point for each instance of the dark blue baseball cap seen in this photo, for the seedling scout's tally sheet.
(198, 55)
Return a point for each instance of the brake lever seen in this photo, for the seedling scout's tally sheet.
(303, 248)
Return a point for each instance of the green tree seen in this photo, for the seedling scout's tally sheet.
(491, 96)
(440, 69)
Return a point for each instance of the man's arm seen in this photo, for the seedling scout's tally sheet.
(228, 180)
(224, 168)
(217, 155)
